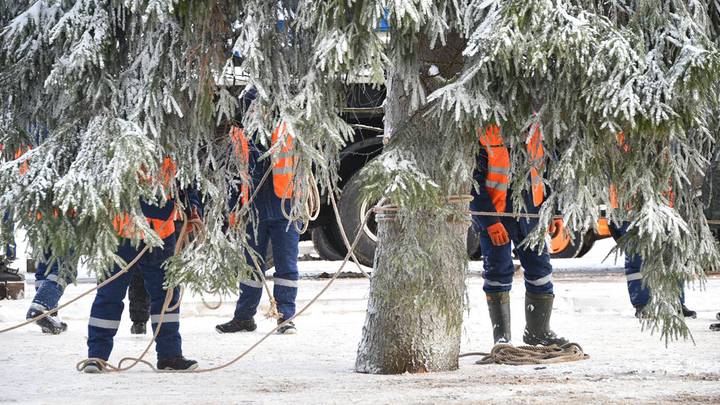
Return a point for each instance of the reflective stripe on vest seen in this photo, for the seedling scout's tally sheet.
(283, 162)
(537, 161)
(242, 152)
(498, 174)
(497, 178)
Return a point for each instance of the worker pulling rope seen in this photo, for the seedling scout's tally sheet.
(192, 226)
(548, 354)
(504, 353)
(111, 368)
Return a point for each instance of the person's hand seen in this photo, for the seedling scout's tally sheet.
(498, 234)
(195, 214)
(195, 223)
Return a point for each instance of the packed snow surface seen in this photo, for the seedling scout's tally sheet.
(626, 365)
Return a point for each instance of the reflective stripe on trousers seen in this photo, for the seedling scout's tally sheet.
(108, 305)
(498, 268)
(285, 251)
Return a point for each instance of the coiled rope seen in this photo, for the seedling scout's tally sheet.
(504, 353)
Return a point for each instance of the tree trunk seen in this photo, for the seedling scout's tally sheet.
(417, 292)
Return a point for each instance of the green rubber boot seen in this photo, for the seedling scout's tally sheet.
(499, 308)
(538, 308)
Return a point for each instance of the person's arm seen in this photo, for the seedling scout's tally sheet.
(155, 212)
(195, 206)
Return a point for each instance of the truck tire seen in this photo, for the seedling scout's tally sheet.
(324, 248)
(473, 244)
(351, 207)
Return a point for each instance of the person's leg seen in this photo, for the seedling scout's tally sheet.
(498, 270)
(639, 295)
(285, 280)
(139, 304)
(539, 296)
(687, 312)
(251, 289)
(107, 308)
(50, 286)
(168, 343)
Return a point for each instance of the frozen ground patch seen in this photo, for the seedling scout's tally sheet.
(316, 366)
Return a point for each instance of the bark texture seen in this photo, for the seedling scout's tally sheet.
(417, 292)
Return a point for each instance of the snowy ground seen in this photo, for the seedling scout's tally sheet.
(316, 365)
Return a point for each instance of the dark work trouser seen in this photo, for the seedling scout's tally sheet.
(139, 299)
(498, 268)
(639, 295)
(285, 280)
(49, 285)
(108, 305)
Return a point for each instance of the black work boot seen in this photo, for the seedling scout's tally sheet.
(237, 325)
(287, 329)
(499, 309)
(176, 363)
(50, 324)
(138, 328)
(538, 308)
(640, 312)
(688, 313)
(92, 367)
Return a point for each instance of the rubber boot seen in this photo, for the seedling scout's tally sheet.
(499, 309)
(538, 308)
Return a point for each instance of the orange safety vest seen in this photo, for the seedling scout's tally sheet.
(613, 189)
(25, 166)
(497, 179)
(283, 162)
(164, 228)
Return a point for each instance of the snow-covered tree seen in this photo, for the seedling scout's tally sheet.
(103, 89)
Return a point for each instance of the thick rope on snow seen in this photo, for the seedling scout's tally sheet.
(504, 353)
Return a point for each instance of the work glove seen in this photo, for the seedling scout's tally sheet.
(498, 234)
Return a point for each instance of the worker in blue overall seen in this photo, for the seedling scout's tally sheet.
(49, 288)
(108, 305)
(272, 226)
(639, 295)
(49, 284)
(492, 173)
